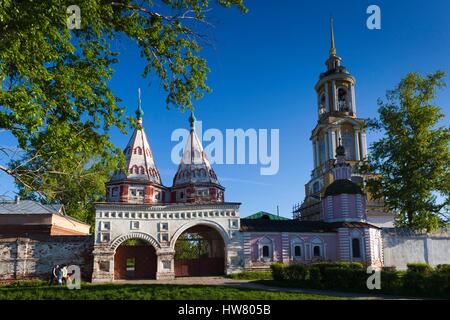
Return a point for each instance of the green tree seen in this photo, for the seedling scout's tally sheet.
(55, 97)
(411, 160)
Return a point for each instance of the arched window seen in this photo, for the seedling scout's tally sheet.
(356, 248)
(348, 141)
(142, 170)
(317, 249)
(322, 103)
(265, 252)
(343, 104)
(297, 249)
(317, 253)
(357, 244)
(265, 247)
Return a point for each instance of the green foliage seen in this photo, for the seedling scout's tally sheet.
(419, 267)
(55, 97)
(278, 271)
(343, 278)
(444, 268)
(191, 246)
(411, 161)
(251, 275)
(419, 280)
(149, 292)
(135, 242)
(296, 272)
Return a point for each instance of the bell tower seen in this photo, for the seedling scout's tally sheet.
(337, 123)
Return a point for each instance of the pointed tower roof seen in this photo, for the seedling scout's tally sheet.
(334, 61)
(194, 166)
(332, 46)
(140, 165)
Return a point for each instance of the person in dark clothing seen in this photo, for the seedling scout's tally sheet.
(54, 275)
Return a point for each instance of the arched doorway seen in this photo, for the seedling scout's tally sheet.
(199, 251)
(135, 259)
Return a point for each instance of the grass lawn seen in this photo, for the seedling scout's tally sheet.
(146, 292)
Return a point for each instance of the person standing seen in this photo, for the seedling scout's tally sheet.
(54, 276)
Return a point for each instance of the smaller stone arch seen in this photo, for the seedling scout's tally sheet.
(134, 235)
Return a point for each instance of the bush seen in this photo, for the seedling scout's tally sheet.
(278, 271)
(391, 280)
(419, 267)
(443, 268)
(389, 269)
(419, 280)
(344, 278)
(315, 277)
(251, 275)
(295, 272)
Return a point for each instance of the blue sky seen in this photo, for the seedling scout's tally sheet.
(264, 66)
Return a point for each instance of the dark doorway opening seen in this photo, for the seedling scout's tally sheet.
(135, 259)
(199, 251)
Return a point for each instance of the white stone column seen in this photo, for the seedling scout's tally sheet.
(314, 154)
(165, 264)
(352, 92)
(339, 137)
(333, 143)
(103, 264)
(357, 151)
(333, 93)
(327, 147)
(317, 153)
(363, 145)
(285, 247)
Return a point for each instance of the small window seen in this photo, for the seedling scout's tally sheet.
(131, 264)
(104, 237)
(265, 251)
(316, 187)
(164, 237)
(316, 251)
(134, 225)
(164, 226)
(356, 248)
(297, 251)
(105, 226)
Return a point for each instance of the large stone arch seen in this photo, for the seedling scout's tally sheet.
(191, 224)
(134, 235)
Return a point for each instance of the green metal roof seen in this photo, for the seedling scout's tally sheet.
(265, 215)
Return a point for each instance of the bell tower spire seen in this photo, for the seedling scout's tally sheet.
(332, 46)
(334, 61)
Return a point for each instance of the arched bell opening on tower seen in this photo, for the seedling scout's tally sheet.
(344, 104)
(322, 104)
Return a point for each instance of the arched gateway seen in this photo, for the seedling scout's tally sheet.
(145, 230)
